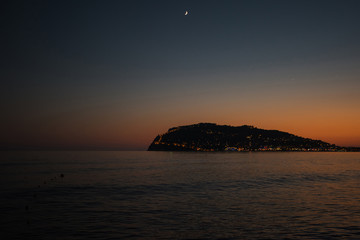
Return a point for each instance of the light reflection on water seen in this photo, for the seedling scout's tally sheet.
(163, 195)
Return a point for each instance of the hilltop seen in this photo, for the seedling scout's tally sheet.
(213, 137)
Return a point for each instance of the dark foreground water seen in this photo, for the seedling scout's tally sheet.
(163, 195)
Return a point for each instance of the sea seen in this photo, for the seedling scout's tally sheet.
(179, 195)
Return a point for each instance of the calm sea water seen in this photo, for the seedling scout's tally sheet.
(164, 195)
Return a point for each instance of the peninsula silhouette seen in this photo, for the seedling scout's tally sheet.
(213, 137)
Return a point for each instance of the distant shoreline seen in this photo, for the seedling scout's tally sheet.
(211, 137)
(355, 149)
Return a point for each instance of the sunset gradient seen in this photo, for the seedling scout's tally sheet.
(114, 74)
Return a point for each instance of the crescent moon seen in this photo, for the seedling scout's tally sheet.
(186, 13)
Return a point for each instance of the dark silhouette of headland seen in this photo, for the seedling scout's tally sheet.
(212, 137)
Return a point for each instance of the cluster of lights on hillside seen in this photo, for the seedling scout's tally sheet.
(246, 149)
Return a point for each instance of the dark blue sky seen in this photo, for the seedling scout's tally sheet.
(88, 73)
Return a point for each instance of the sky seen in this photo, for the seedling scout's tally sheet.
(114, 74)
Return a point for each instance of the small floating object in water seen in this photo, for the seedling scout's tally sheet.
(44, 182)
(27, 208)
(62, 175)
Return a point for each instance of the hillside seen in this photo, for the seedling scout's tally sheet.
(213, 137)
